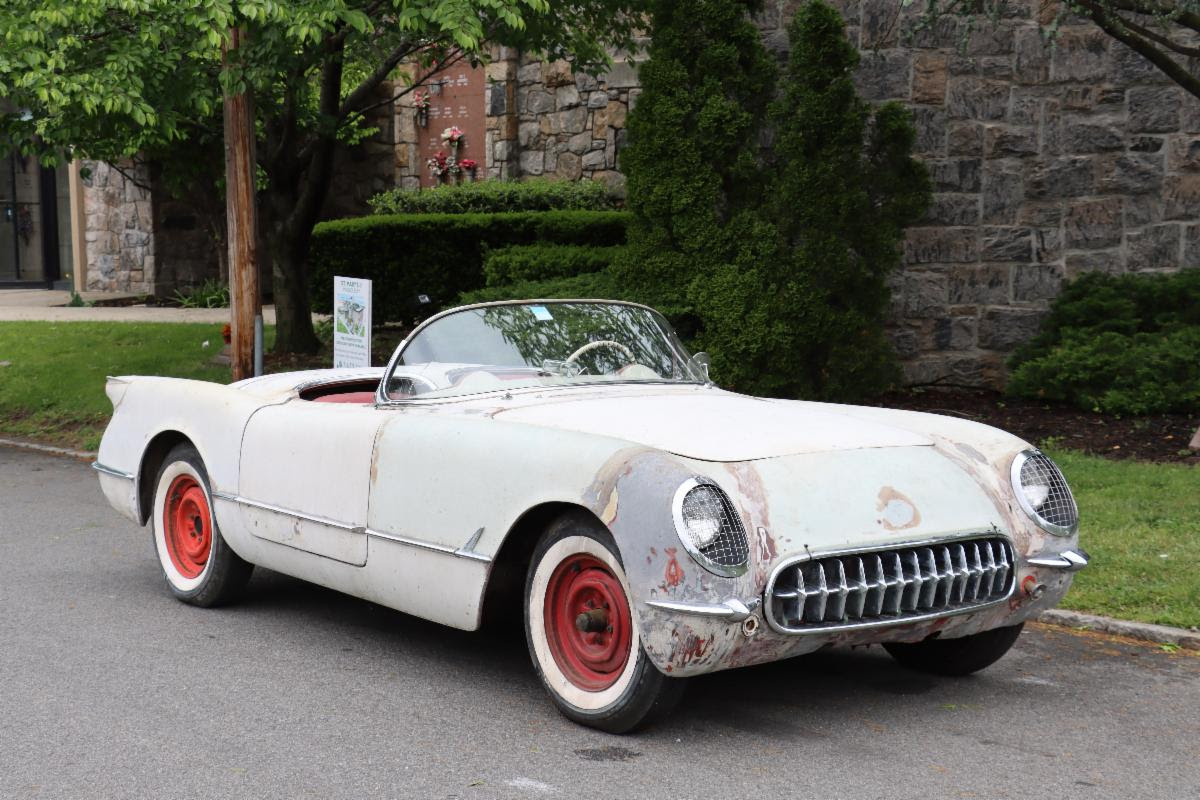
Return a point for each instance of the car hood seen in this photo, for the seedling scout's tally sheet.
(717, 426)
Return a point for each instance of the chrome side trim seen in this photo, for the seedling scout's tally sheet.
(732, 609)
(391, 537)
(468, 549)
(287, 512)
(1069, 560)
(116, 473)
(431, 546)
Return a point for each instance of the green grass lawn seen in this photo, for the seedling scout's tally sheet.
(53, 387)
(1140, 522)
(1141, 525)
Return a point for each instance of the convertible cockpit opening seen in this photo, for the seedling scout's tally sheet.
(361, 391)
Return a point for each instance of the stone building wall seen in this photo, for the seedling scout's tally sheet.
(1047, 162)
(119, 227)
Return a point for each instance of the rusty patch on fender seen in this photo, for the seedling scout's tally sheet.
(971, 452)
(674, 573)
(766, 546)
(899, 512)
(689, 648)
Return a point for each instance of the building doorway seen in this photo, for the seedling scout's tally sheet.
(35, 220)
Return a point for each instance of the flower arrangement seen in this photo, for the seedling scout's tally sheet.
(469, 165)
(421, 104)
(452, 136)
(441, 165)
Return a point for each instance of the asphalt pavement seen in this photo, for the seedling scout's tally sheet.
(109, 688)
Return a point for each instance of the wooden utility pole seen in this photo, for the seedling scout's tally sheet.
(241, 223)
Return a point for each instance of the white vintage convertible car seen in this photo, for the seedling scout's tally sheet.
(572, 459)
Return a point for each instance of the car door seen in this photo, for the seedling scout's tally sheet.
(305, 476)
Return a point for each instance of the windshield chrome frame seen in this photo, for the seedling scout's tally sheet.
(382, 399)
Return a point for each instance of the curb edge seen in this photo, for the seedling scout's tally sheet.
(1144, 631)
(83, 455)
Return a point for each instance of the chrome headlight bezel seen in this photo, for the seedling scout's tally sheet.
(1018, 463)
(734, 519)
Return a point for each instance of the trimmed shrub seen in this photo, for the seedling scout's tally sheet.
(1146, 373)
(438, 255)
(535, 262)
(589, 285)
(1126, 344)
(498, 196)
(1097, 303)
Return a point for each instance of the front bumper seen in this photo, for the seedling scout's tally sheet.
(736, 632)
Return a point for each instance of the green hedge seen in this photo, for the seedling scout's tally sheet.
(438, 255)
(496, 197)
(535, 262)
(589, 285)
(1125, 344)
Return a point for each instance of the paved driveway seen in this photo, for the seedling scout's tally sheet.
(109, 688)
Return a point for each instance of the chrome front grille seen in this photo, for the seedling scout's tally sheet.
(887, 586)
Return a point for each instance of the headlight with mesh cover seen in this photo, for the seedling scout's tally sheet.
(710, 527)
(1043, 492)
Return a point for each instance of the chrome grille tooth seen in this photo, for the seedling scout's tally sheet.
(912, 580)
(892, 585)
(976, 572)
(814, 610)
(928, 577)
(893, 582)
(836, 610)
(873, 601)
(856, 601)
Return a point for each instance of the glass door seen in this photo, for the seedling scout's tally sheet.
(23, 223)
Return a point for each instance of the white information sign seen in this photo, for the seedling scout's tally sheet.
(351, 322)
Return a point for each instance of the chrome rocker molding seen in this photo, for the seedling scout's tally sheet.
(1069, 560)
(461, 552)
(116, 473)
(829, 629)
(732, 609)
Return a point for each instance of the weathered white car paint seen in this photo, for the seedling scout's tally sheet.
(409, 505)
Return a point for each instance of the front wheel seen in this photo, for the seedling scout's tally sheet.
(581, 634)
(199, 566)
(960, 656)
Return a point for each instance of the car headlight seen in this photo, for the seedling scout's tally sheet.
(710, 527)
(1042, 491)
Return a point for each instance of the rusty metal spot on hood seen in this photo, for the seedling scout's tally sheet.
(971, 452)
(899, 512)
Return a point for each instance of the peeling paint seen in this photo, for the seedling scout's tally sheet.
(610, 511)
(899, 512)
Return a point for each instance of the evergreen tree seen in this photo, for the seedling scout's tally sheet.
(845, 187)
(694, 178)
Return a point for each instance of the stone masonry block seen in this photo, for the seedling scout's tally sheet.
(1154, 247)
(1091, 224)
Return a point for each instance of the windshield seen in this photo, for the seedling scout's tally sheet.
(520, 345)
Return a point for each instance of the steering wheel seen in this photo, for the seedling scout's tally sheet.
(601, 343)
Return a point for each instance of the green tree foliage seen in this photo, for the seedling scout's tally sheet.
(108, 79)
(774, 260)
(1126, 344)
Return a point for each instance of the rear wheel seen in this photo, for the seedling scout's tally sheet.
(960, 656)
(199, 566)
(581, 634)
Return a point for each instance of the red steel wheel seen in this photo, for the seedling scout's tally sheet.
(588, 623)
(187, 524)
(197, 562)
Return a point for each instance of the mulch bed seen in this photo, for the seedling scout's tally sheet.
(1161, 437)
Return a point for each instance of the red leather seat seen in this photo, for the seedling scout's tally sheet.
(365, 398)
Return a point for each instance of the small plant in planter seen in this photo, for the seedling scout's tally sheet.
(468, 167)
